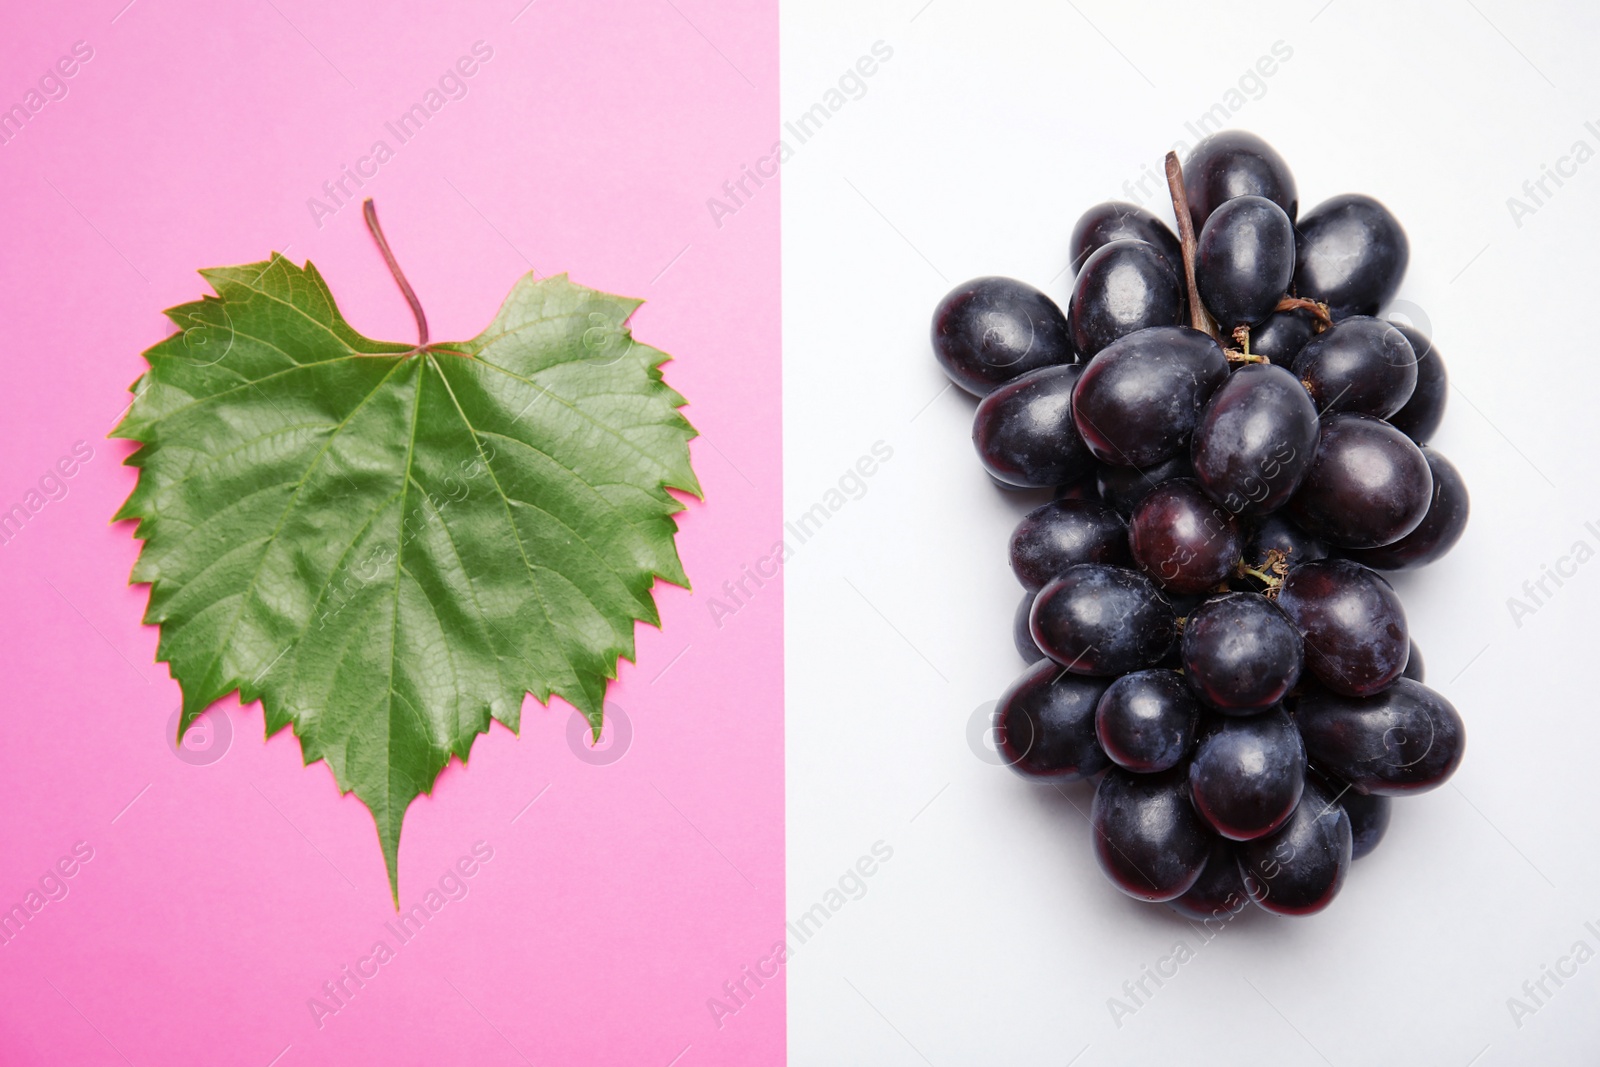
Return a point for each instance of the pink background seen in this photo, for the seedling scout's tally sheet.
(222, 898)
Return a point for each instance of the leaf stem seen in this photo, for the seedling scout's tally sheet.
(370, 212)
(1180, 208)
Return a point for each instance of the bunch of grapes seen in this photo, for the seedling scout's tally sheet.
(1238, 447)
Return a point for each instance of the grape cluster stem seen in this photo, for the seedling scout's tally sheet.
(1186, 238)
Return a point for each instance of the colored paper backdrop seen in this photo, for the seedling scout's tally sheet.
(193, 905)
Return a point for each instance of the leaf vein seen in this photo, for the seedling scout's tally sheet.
(249, 591)
(522, 549)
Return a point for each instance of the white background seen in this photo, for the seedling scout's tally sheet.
(991, 936)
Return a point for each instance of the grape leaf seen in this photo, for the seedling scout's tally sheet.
(389, 544)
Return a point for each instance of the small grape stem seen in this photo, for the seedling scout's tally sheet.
(1242, 354)
(1271, 573)
(1319, 310)
(1261, 575)
(370, 212)
(1180, 208)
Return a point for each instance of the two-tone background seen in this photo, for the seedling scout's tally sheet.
(798, 759)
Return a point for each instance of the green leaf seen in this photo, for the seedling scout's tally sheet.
(389, 546)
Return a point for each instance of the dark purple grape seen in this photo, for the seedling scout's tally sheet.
(1024, 431)
(1124, 487)
(1044, 724)
(1235, 163)
(1277, 533)
(1247, 774)
(1182, 539)
(1282, 335)
(991, 330)
(1085, 488)
(1140, 398)
(1256, 440)
(1021, 635)
(1362, 364)
(1369, 485)
(1351, 254)
(1369, 821)
(1057, 535)
(1218, 895)
(1146, 720)
(1117, 221)
(1354, 628)
(1420, 418)
(1439, 529)
(1369, 814)
(1299, 868)
(1124, 287)
(1406, 739)
(1183, 604)
(1147, 837)
(1415, 670)
(1241, 653)
(1103, 620)
(1244, 261)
